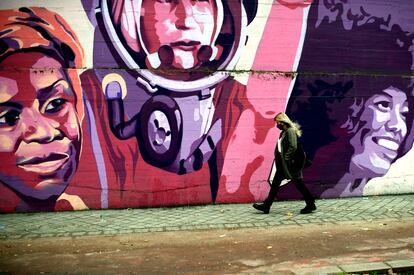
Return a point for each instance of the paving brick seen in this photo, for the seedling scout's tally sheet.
(32, 236)
(48, 235)
(365, 267)
(94, 233)
(318, 270)
(78, 233)
(14, 237)
(141, 230)
(245, 225)
(110, 232)
(201, 226)
(125, 231)
(401, 265)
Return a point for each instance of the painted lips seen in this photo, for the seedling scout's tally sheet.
(387, 143)
(185, 45)
(44, 165)
(390, 145)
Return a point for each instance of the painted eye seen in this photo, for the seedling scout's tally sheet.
(404, 112)
(55, 105)
(9, 118)
(383, 105)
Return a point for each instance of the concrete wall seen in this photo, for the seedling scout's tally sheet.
(118, 103)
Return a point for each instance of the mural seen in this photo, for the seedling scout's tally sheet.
(172, 102)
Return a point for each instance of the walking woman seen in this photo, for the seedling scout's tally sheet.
(290, 161)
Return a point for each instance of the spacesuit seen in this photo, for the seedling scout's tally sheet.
(170, 109)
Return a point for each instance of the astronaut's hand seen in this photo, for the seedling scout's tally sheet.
(113, 86)
(113, 90)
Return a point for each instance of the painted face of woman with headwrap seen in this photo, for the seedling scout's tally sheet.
(39, 127)
(40, 108)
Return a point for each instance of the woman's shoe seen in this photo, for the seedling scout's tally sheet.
(261, 207)
(309, 208)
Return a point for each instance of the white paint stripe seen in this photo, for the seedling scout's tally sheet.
(98, 154)
(299, 50)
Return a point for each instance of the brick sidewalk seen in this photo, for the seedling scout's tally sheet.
(231, 216)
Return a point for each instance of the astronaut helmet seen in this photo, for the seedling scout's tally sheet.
(178, 45)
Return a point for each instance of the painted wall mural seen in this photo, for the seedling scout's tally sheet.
(137, 103)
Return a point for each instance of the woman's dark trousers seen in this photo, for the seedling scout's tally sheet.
(277, 180)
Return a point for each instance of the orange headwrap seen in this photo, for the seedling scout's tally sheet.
(39, 29)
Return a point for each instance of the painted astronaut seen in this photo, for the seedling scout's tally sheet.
(175, 53)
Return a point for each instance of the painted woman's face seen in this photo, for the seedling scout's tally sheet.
(184, 25)
(383, 130)
(40, 138)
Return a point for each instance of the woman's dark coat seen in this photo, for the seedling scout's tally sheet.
(292, 155)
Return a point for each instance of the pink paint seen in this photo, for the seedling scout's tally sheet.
(255, 135)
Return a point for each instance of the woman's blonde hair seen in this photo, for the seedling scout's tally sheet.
(282, 117)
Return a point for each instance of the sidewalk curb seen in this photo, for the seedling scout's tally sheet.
(390, 267)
